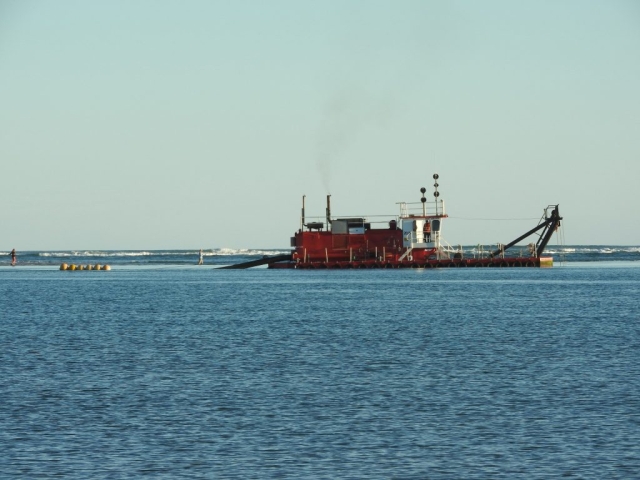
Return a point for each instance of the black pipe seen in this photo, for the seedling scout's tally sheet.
(553, 224)
(256, 263)
(521, 237)
(548, 223)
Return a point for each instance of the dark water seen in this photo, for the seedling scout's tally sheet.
(186, 372)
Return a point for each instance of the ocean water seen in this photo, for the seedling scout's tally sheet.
(168, 370)
(226, 256)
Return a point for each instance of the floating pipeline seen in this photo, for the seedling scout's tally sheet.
(74, 267)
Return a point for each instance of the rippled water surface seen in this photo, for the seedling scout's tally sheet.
(189, 372)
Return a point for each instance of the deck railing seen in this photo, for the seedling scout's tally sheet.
(408, 209)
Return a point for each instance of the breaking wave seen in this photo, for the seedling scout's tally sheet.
(159, 253)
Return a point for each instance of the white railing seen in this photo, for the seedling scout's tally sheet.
(408, 209)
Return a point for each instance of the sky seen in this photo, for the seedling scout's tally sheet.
(200, 124)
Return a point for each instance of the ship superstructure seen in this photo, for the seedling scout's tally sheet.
(413, 236)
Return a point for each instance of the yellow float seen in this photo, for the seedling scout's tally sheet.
(73, 266)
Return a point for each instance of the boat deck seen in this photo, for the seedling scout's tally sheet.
(443, 263)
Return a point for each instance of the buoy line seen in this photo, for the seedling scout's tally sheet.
(74, 267)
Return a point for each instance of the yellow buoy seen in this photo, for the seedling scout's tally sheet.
(89, 267)
(64, 266)
(72, 267)
(98, 267)
(107, 267)
(80, 267)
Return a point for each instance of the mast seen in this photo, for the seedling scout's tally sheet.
(436, 194)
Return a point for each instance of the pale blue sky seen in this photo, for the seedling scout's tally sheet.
(200, 124)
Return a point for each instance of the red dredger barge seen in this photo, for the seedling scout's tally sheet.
(411, 240)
